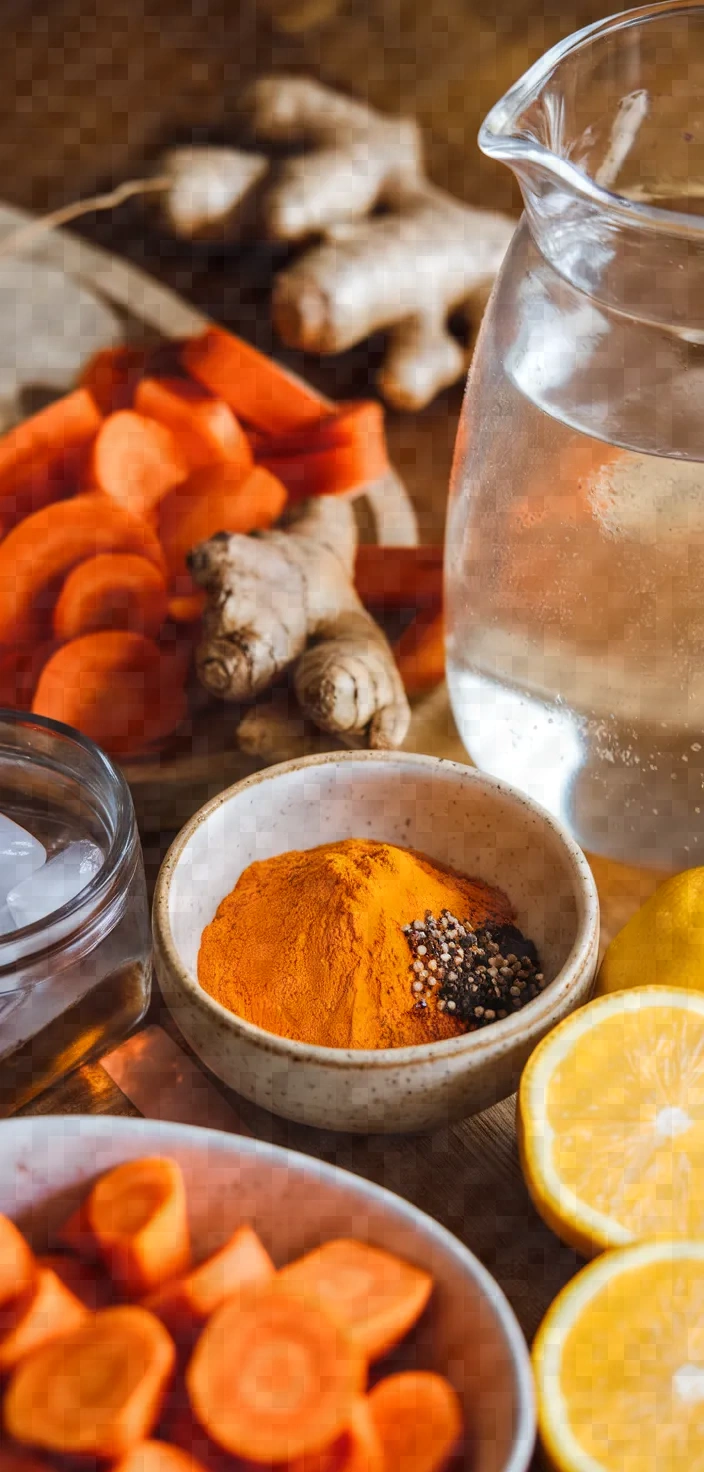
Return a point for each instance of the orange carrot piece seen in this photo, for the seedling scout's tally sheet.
(115, 687)
(93, 1289)
(206, 428)
(136, 461)
(137, 1214)
(117, 590)
(39, 457)
(212, 500)
(418, 1419)
(273, 1377)
(17, 1262)
(187, 608)
(343, 452)
(377, 1296)
(260, 392)
(184, 1303)
(359, 1449)
(39, 552)
(112, 376)
(420, 651)
(47, 1309)
(157, 1456)
(399, 577)
(96, 1391)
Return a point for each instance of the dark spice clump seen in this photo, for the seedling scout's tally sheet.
(479, 976)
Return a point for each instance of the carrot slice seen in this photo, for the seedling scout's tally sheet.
(259, 391)
(184, 1303)
(96, 1391)
(399, 577)
(115, 687)
(39, 457)
(157, 1456)
(137, 1214)
(93, 1289)
(44, 547)
(420, 652)
(136, 461)
(212, 500)
(359, 1449)
(273, 1377)
(117, 590)
(377, 1296)
(206, 428)
(46, 1309)
(418, 1419)
(112, 375)
(17, 1262)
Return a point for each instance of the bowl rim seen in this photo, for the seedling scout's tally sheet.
(483, 1043)
(106, 1126)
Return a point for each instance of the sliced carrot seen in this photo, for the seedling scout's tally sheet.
(420, 652)
(39, 458)
(259, 391)
(157, 1456)
(136, 461)
(115, 687)
(43, 549)
(17, 1262)
(341, 453)
(117, 590)
(418, 1418)
(46, 1309)
(112, 376)
(357, 1450)
(91, 1287)
(205, 427)
(399, 577)
(186, 1302)
(187, 608)
(138, 1216)
(96, 1391)
(273, 1377)
(212, 500)
(377, 1296)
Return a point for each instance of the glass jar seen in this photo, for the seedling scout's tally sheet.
(73, 984)
(575, 545)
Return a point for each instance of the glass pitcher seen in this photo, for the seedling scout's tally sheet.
(575, 546)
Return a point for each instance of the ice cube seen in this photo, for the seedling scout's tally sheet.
(21, 854)
(61, 879)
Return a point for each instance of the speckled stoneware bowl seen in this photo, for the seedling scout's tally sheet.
(456, 815)
(468, 1331)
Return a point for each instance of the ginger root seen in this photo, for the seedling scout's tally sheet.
(285, 599)
(382, 247)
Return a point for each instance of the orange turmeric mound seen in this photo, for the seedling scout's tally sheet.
(309, 945)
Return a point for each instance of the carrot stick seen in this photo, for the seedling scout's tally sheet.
(113, 591)
(17, 1263)
(273, 1376)
(418, 1419)
(138, 1216)
(43, 549)
(112, 376)
(212, 500)
(157, 1456)
(136, 461)
(420, 652)
(206, 428)
(259, 391)
(46, 1309)
(116, 688)
(186, 1302)
(377, 1296)
(39, 457)
(357, 1450)
(96, 1391)
(399, 577)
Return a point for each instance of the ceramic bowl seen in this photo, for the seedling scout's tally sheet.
(468, 1332)
(456, 815)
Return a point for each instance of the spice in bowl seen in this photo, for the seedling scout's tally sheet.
(325, 946)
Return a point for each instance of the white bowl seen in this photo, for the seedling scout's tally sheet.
(456, 815)
(469, 1332)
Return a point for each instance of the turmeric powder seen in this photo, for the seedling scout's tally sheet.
(310, 945)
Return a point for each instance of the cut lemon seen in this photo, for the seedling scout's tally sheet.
(619, 1363)
(611, 1120)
